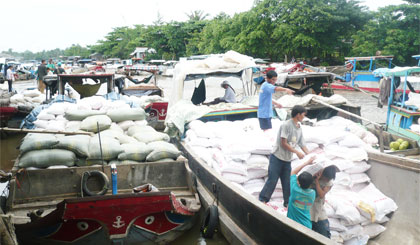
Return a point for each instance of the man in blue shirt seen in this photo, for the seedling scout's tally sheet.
(301, 196)
(265, 106)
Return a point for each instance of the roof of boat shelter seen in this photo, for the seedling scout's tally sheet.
(397, 71)
(370, 58)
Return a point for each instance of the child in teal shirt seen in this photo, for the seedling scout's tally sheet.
(301, 196)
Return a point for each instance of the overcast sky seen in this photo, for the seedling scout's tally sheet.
(38, 25)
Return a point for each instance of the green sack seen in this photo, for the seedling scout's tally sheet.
(148, 137)
(162, 150)
(47, 158)
(78, 144)
(135, 152)
(90, 124)
(139, 129)
(120, 115)
(80, 115)
(37, 142)
(111, 148)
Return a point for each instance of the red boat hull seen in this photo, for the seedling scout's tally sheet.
(7, 112)
(130, 219)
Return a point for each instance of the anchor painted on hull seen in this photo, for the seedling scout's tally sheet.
(118, 223)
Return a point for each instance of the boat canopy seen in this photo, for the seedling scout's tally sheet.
(396, 71)
(390, 57)
(229, 64)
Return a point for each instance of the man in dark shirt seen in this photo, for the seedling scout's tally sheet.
(42, 72)
(59, 70)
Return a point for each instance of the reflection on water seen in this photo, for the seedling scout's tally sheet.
(193, 236)
(8, 151)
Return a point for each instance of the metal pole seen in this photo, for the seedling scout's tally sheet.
(346, 112)
(381, 140)
(100, 147)
(43, 132)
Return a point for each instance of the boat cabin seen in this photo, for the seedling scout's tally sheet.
(360, 69)
(403, 107)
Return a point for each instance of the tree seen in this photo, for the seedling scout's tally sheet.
(197, 15)
(394, 30)
(214, 36)
(314, 28)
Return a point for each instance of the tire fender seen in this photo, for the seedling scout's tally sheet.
(88, 174)
(210, 221)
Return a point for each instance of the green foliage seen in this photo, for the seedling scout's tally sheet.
(394, 30)
(304, 29)
(76, 50)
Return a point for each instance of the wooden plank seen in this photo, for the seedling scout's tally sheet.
(396, 161)
(369, 58)
(346, 112)
(7, 235)
(44, 131)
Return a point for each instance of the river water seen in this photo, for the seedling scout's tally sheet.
(369, 110)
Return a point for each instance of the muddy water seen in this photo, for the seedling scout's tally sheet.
(368, 104)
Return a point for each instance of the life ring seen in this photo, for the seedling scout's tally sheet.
(88, 174)
(210, 222)
(349, 66)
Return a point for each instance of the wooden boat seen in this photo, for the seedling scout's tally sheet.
(400, 116)
(6, 113)
(364, 78)
(156, 110)
(245, 220)
(12, 117)
(126, 218)
(256, 223)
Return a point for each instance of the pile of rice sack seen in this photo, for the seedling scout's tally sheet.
(123, 132)
(239, 152)
(30, 98)
(4, 95)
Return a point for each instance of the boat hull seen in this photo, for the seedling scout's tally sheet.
(372, 84)
(128, 218)
(260, 222)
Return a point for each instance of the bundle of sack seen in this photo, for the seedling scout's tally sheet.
(239, 152)
(119, 134)
(30, 98)
(5, 95)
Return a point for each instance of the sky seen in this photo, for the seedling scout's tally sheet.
(38, 25)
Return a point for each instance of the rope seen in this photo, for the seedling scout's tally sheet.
(18, 183)
(216, 194)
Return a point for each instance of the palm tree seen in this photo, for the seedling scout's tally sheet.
(197, 15)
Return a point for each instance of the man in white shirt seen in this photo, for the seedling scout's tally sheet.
(10, 77)
(229, 96)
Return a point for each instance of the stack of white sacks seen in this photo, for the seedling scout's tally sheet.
(124, 133)
(239, 152)
(29, 98)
